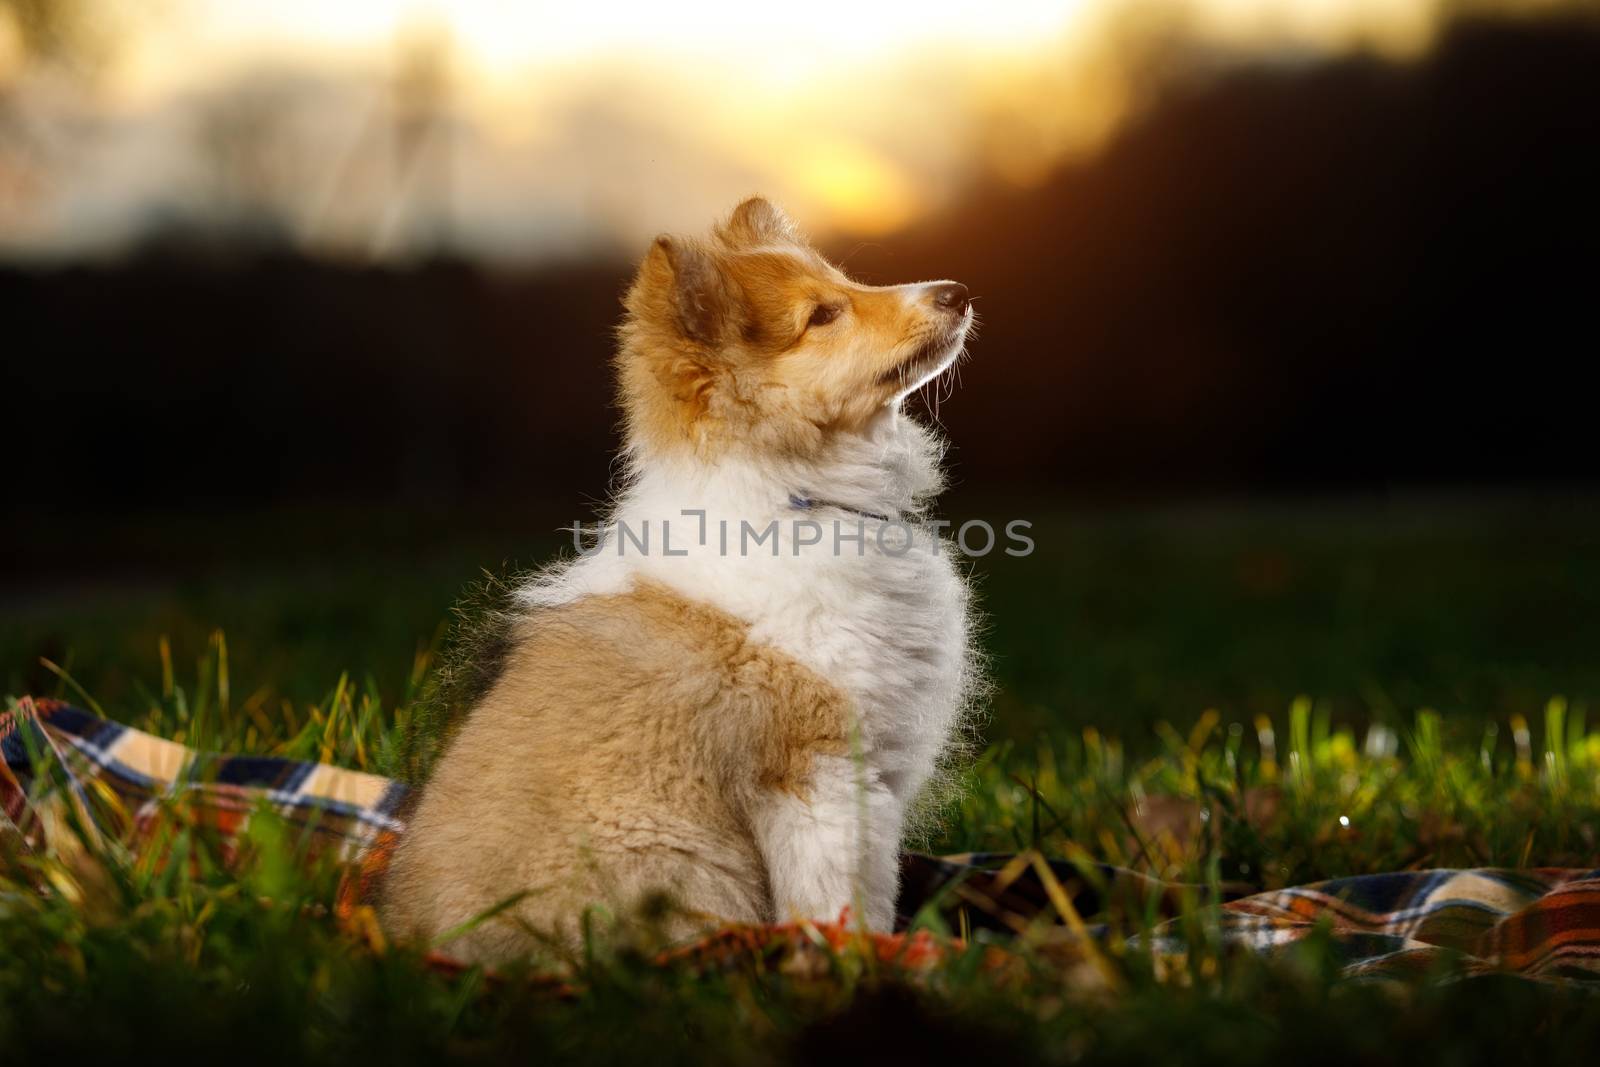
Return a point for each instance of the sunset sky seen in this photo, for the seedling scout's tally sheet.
(527, 131)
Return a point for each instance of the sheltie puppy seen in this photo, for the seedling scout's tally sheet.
(728, 707)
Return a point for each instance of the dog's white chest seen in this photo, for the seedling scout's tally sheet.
(879, 610)
(888, 627)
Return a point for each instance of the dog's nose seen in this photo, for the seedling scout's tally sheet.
(950, 296)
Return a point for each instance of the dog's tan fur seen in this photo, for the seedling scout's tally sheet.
(612, 761)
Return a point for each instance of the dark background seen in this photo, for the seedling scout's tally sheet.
(1288, 277)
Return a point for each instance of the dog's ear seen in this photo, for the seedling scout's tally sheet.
(758, 221)
(681, 283)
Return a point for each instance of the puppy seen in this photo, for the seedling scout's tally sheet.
(734, 698)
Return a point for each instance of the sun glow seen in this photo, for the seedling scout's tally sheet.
(856, 189)
(504, 35)
(578, 124)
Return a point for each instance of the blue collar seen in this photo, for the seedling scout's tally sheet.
(803, 502)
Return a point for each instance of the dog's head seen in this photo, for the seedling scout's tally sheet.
(752, 339)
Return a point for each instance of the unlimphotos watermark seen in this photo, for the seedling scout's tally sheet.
(974, 538)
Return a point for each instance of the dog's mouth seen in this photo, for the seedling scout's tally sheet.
(928, 358)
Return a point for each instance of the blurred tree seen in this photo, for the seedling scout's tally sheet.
(82, 36)
(74, 42)
(420, 141)
(253, 164)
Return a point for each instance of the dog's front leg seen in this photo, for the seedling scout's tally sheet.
(835, 844)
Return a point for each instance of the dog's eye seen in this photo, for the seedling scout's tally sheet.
(823, 315)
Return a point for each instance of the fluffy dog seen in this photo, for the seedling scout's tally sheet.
(736, 697)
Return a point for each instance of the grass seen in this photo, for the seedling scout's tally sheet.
(1121, 628)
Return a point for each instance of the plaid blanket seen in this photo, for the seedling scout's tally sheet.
(1540, 923)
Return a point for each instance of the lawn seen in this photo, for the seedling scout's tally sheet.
(1409, 683)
